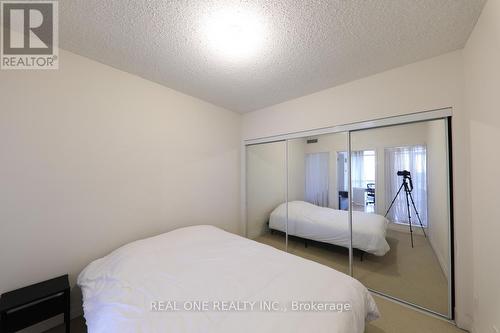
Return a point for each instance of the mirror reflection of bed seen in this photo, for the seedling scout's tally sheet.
(310, 222)
(318, 198)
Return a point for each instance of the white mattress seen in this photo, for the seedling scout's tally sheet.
(206, 263)
(331, 226)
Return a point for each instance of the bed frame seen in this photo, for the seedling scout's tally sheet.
(310, 241)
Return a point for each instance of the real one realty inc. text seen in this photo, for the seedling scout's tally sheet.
(249, 306)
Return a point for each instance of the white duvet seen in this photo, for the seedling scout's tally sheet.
(204, 263)
(331, 226)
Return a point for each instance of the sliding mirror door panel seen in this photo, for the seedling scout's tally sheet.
(317, 188)
(401, 212)
(265, 191)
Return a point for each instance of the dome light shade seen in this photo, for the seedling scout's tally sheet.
(233, 34)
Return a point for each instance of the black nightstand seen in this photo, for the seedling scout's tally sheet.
(30, 305)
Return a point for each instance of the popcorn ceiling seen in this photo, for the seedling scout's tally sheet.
(309, 45)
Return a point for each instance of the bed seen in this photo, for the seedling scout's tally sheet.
(121, 290)
(328, 225)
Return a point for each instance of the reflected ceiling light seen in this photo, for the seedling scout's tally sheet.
(234, 33)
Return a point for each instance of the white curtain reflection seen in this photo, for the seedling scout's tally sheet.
(317, 179)
(413, 159)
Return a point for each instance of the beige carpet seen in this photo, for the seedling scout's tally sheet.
(400, 319)
(411, 274)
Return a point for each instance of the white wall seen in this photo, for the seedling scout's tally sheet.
(92, 158)
(426, 85)
(482, 83)
(429, 84)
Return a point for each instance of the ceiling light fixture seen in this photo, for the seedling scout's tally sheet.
(234, 34)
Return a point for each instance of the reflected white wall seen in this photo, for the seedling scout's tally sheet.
(266, 177)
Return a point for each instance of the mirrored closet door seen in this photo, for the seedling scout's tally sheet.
(369, 199)
(401, 220)
(266, 192)
(317, 187)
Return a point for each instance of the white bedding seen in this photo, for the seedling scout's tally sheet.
(206, 263)
(331, 226)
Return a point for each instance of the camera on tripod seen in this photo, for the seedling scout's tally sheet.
(406, 176)
(407, 185)
(404, 173)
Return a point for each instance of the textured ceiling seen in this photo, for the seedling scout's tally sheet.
(307, 45)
